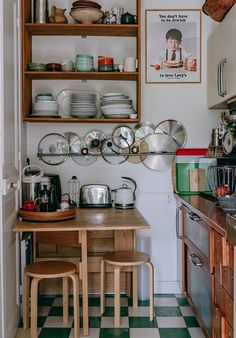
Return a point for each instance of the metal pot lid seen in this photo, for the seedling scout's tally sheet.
(137, 147)
(53, 149)
(75, 142)
(82, 157)
(228, 142)
(159, 143)
(123, 136)
(143, 129)
(93, 141)
(111, 153)
(175, 129)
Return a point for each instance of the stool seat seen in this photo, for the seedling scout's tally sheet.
(126, 258)
(50, 269)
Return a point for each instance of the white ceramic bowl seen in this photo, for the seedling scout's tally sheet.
(87, 15)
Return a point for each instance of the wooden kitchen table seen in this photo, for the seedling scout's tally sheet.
(125, 222)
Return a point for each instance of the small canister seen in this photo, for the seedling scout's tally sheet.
(215, 137)
(40, 11)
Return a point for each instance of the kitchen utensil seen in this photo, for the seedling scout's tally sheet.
(111, 153)
(31, 178)
(93, 141)
(128, 18)
(57, 15)
(137, 147)
(53, 149)
(123, 135)
(75, 143)
(143, 129)
(74, 189)
(41, 11)
(159, 145)
(229, 142)
(175, 129)
(87, 16)
(222, 179)
(95, 196)
(124, 196)
(215, 137)
(44, 198)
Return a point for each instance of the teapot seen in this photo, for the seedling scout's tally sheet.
(128, 18)
(124, 196)
(57, 15)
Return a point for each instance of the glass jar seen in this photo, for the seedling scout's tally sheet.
(74, 189)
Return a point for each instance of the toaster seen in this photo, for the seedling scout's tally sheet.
(95, 196)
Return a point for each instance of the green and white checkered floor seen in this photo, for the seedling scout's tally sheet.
(173, 319)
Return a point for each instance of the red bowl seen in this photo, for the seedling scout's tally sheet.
(55, 67)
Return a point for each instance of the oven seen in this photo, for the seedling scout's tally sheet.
(199, 267)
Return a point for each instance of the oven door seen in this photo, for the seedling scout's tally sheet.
(199, 286)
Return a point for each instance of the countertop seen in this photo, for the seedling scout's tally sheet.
(91, 219)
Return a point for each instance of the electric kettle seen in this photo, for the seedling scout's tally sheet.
(31, 178)
(124, 196)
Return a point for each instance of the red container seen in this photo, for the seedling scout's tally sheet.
(54, 67)
(191, 64)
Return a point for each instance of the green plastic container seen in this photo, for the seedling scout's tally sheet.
(186, 162)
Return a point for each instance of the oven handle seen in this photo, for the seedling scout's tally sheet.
(195, 260)
(177, 223)
(194, 217)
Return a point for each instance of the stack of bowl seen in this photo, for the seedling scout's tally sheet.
(105, 64)
(86, 12)
(84, 63)
(45, 106)
(36, 67)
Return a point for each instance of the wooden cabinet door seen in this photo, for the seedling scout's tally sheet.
(221, 45)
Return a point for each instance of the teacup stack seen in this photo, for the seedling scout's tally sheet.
(84, 63)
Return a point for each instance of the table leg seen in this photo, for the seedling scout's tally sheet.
(84, 251)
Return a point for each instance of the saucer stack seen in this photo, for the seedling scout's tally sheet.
(83, 105)
(116, 105)
(45, 106)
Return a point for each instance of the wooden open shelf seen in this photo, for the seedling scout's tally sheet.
(29, 30)
(83, 30)
(115, 76)
(78, 120)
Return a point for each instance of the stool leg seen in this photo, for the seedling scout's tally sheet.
(34, 307)
(75, 281)
(128, 284)
(26, 301)
(135, 286)
(65, 289)
(117, 295)
(151, 287)
(102, 287)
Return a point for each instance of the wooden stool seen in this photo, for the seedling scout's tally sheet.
(122, 259)
(50, 269)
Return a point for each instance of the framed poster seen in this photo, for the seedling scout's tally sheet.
(173, 46)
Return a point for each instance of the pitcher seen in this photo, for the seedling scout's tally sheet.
(57, 15)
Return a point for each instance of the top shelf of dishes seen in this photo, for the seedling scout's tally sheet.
(129, 30)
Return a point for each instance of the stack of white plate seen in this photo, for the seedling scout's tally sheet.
(45, 109)
(83, 105)
(116, 105)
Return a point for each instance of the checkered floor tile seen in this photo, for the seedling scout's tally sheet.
(173, 319)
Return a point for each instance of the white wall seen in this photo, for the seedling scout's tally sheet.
(186, 103)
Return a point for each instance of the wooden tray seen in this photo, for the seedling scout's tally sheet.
(54, 216)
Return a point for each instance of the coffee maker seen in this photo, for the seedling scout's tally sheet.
(52, 180)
